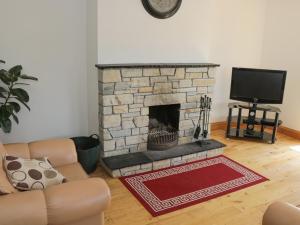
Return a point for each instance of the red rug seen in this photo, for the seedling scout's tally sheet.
(166, 190)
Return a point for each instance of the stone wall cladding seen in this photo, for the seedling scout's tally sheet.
(125, 96)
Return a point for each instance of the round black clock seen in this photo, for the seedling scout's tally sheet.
(162, 9)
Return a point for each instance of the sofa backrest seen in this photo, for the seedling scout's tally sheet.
(5, 186)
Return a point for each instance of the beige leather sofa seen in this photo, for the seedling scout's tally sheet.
(282, 214)
(80, 201)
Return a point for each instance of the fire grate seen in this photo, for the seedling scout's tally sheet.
(159, 139)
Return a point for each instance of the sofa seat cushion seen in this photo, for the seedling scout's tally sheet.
(31, 174)
(5, 185)
(72, 172)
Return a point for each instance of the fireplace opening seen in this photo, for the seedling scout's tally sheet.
(163, 126)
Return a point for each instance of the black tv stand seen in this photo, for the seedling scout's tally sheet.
(251, 121)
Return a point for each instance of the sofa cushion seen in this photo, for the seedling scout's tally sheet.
(5, 186)
(72, 172)
(31, 174)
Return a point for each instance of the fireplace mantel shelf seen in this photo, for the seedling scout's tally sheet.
(154, 65)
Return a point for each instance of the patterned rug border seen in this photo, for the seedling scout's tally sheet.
(158, 207)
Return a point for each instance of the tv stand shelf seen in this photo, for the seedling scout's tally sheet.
(251, 121)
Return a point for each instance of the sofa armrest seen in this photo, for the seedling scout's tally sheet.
(76, 200)
(281, 214)
(59, 151)
(23, 208)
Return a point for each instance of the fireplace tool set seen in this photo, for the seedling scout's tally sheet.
(203, 122)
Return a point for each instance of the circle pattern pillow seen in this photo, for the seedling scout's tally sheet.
(31, 174)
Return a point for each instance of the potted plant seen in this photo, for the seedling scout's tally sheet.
(12, 95)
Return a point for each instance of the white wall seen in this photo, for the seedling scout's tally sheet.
(281, 51)
(48, 37)
(92, 71)
(227, 32)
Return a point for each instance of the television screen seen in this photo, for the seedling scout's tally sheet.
(257, 85)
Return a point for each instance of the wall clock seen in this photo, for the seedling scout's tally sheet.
(162, 9)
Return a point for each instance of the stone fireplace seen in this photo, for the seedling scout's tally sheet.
(133, 98)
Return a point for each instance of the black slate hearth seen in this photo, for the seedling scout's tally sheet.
(133, 159)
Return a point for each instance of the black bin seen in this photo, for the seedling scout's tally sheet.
(88, 150)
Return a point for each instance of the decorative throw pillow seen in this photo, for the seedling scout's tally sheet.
(31, 174)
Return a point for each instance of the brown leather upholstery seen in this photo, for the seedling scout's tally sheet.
(281, 214)
(67, 203)
(23, 208)
(5, 186)
(81, 201)
(19, 150)
(72, 171)
(59, 151)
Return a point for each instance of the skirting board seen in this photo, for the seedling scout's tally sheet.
(283, 130)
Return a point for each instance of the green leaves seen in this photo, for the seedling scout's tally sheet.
(26, 77)
(21, 94)
(11, 95)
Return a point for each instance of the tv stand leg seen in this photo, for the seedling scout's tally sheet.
(229, 122)
(275, 128)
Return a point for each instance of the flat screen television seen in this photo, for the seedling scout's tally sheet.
(258, 85)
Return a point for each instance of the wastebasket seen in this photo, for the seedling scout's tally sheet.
(88, 150)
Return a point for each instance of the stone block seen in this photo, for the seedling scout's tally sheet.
(184, 140)
(145, 90)
(110, 121)
(106, 88)
(130, 114)
(107, 110)
(196, 70)
(134, 110)
(203, 82)
(167, 71)
(120, 133)
(202, 155)
(105, 134)
(124, 171)
(215, 152)
(162, 88)
(115, 173)
(189, 157)
(188, 91)
(110, 75)
(132, 72)
(133, 106)
(176, 161)
(140, 82)
(127, 124)
(151, 72)
(185, 83)
(161, 164)
(165, 99)
(115, 152)
(133, 148)
(120, 143)
(120, 109)
(194, 76)
(186, 124)
(135, 131)
(109, 145)
(139, 99)
(145, 111)
(122, 86)
(109, 100)
(193, 98)
(141, 121)
(190, 105)
(202, 90)
(132, 140)
(147, 166)
(160, 79)
(175, 84)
